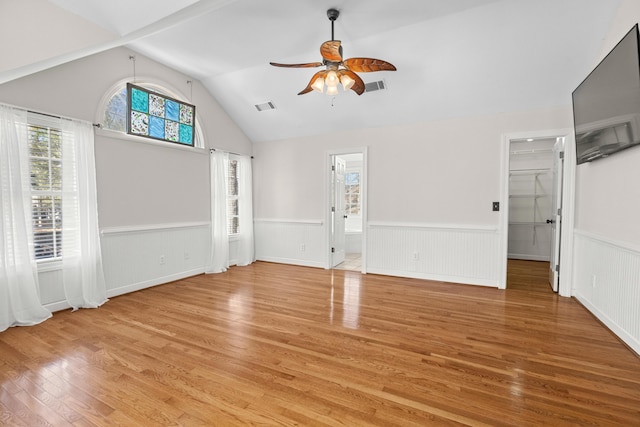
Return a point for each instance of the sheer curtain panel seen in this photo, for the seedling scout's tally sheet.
(246, 250)
(219, 257)
(19, 293)
(82, 270)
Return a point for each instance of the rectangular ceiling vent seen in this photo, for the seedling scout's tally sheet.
(266, 106)
(374, 86)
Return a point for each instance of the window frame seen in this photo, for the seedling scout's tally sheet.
(35, 120)
(233, 197)
(120, 88)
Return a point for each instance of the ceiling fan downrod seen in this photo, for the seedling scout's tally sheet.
(333, 15)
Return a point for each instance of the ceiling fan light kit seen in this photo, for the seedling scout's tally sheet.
(338, 71)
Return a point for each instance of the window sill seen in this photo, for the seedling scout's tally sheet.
(114, 134)
(49, 265)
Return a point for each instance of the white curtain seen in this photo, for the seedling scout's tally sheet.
(246, 251)
(19, 292)
(82, 271)
(219, 258)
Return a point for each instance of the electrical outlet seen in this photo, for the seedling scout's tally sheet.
(161, 259)
(593, 281)
(496, 206)
(186, 255)
(303, 247)
(416, 256)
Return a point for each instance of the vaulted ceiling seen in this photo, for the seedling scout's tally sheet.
(454, 57)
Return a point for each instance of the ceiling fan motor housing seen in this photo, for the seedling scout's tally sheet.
(333, 14)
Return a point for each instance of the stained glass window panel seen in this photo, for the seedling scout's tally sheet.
(186, 133)
(172, 110)
(139, 100)
(156, 105)
(186, 115)
(157, 116)
(139, 123)
(156, 127)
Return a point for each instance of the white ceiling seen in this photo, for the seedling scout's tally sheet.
(454, 57)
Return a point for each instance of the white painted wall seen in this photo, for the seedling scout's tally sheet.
(606, 261)
(155, 195)
(430, 177)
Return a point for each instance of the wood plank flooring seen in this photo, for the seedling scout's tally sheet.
(283, 345)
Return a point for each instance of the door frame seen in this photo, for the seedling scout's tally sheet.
(363, 201)
(565, 286)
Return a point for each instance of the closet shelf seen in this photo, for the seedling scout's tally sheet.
(527, 196)
(528, 172)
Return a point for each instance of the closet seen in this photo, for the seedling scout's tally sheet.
(530, 199)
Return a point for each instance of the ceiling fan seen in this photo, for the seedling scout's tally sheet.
(338, 70)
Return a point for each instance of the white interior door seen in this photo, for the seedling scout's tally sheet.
(556, 219)
(338, 243)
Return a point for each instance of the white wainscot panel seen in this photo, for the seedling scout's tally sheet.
(458, 254)
(290, 242)
(353, 242)
(607, 282)
(137, 258)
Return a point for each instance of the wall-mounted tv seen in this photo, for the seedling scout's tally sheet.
(606, 105)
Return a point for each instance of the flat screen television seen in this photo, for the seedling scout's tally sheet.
(606, 105)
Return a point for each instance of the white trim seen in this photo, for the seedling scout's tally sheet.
(457, 227)
(291, 221)
(568, 204)
(364, 201)
(153, 282)
(624, 335)
(114, 134)
(152, 227)
(436, 277)
(293, 261)
(619, 244)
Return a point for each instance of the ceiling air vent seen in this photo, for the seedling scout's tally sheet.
(374, 86)
(265, 106)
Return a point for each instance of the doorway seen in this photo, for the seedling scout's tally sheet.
(534, 188)
(347, 210)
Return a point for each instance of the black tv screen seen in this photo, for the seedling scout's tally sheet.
(606, 105)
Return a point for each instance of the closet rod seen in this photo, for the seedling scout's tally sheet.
(237, 154)
(98, 125)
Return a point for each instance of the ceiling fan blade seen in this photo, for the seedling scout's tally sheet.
(316, 76)
(331, 51)
(365, 65)
(358, 86)
(307, 65)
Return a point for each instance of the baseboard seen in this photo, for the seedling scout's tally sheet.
(628, 339)
(153, 282)
(300, 262)
(435, 278)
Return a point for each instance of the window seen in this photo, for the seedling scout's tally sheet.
(352, 192)
(153, 115)
(233, 218)
(115, 114)
(45, 157)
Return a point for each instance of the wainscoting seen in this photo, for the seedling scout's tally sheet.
(461, 254)
(458, 254)
(135, 258)
(607, 282)
(291, 242)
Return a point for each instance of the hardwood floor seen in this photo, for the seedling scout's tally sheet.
(275, 344)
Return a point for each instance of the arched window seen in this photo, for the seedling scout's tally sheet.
(114, 115)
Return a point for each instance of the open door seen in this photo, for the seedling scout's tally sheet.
(556, 220)
(338, 214)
